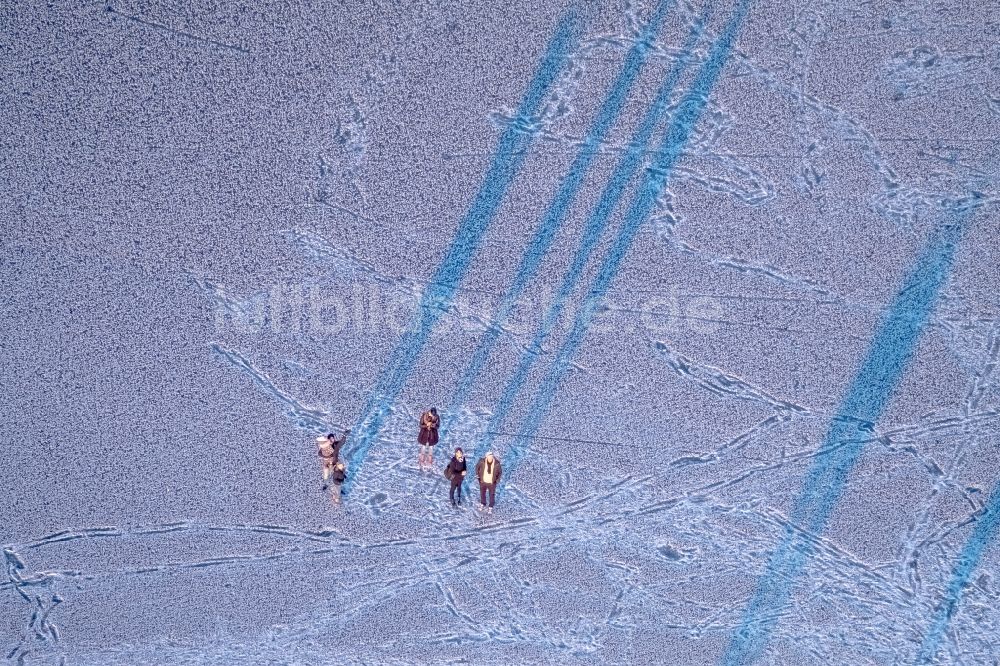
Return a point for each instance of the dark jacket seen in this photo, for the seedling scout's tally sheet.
(429, 424)
(338, 444)
(481, 466)
(456, 467)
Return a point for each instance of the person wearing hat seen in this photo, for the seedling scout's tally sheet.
(455, 472)
(488, 472)
(428, 437)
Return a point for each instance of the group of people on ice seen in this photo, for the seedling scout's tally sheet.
(488, 472)
(488, 469)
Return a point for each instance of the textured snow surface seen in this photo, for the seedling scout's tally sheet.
(718, 283)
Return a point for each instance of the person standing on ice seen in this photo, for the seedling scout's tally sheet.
(428, 437)
(338, 477)
(488, 472)
(455, 472)
(329, 453)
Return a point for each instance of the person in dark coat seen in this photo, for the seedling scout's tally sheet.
(338, 476)
(455, 471)
(488, 472)
(338, 442)
(428, 437)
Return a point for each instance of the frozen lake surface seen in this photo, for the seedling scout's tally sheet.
(716, 281)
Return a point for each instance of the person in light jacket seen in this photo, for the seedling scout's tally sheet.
(488, 472)
(329, 453)
(327, 456)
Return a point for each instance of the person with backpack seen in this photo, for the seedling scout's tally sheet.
(428, 437)
(329, 453)
(455, 472)
(488, 472)
(327, 456)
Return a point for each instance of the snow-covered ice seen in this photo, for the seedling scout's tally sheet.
(717, 282)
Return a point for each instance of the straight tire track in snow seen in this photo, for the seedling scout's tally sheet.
(678, 132)
(985, 530)
(554, 217)
(596, 223)
(507, 161)
(892, 347)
